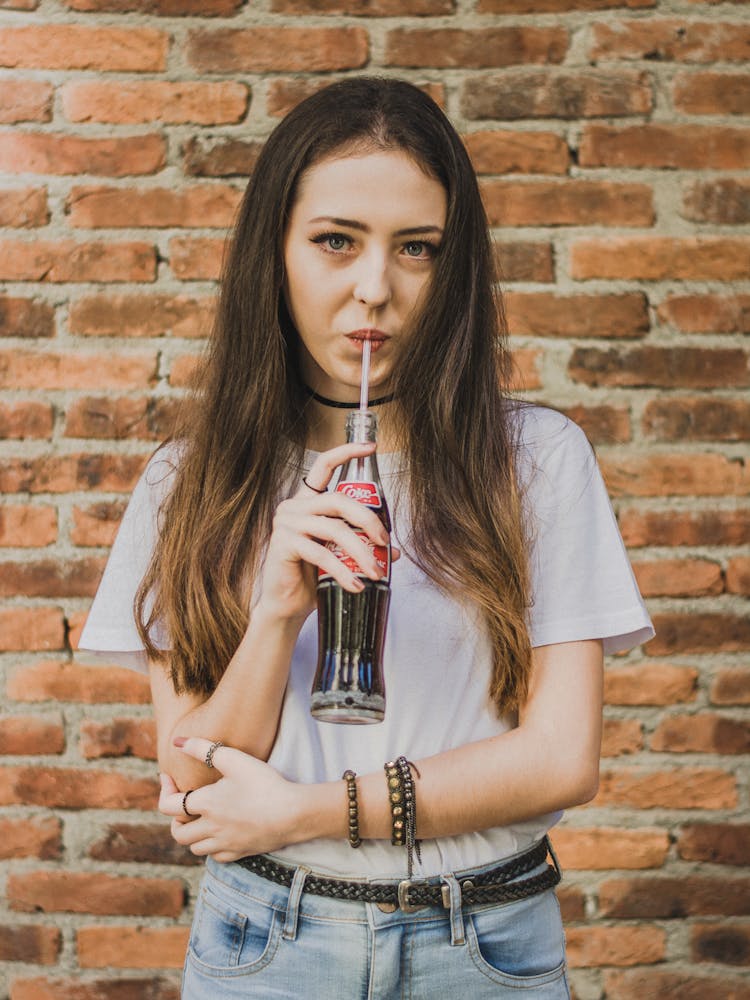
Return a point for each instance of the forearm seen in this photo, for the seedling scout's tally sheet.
(243, 711)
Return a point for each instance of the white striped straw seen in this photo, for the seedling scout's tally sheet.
(364, 385)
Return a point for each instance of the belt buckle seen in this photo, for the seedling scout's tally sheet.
(403, 897)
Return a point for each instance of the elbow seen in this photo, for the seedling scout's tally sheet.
(582, 785)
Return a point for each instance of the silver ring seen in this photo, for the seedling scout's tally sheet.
(211, 751)
(313, 488)
(184, 804)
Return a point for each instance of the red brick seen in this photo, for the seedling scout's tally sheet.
(684, 527)
(130, 947)
(711, 93)
(725, 943)
(94, 892)
(621, 736)
(141, 316)
(567, 203)
(697, 419)
(57, 153)
(30, 318)
(19, 4)
(29, 734)
(725, 202)
(557, 93)
(31, 837)
(53, 680)
(701, 733)
(546, 314)
(68, 473)
(119, 738)
(68, 788)
(684, 367)
(75, 46)
(285, 93)
(480, 48)
(134, 102)
(148, 843)
(662, 258)
(603, 848)
(27, 526)
(731, 687)
(683, 788)
(96, 524)
(30, 943)
(738, 575)
(526, 370)
(616, 945)
(26, 420)
(649, 684)
(196, 258)
(716, 843)
(677, 147)
(25, 101)
(666, 898)
(220, 156)
(71, 261)
(183, 370)
(554, 6)
(152, 988)
(116, 418)
(572, 902)
(205, 205)
(24, 208)
(50, 578)
(44, 370)
(667, 40)
(366, 8)
(699, 632)
(522, 261)
(268, 50)
(679, 474)
(638, 984)
(518, 152)
(679, 578)
(31, 629)
(707, 313)
(160, 8)
(602, 424)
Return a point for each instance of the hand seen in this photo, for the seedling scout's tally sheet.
(251, 809)
(301, 527)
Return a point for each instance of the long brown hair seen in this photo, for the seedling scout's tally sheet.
(247, 424)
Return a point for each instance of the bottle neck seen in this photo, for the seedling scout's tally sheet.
(361, 427)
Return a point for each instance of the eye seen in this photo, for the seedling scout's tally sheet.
(420, 249)
(332, 242)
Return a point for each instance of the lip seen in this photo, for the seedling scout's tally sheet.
(376, 337)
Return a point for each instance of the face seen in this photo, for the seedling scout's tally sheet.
(359, 252)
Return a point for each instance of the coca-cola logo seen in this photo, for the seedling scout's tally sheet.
(366, 493)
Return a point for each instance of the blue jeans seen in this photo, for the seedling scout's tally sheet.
(253, 938)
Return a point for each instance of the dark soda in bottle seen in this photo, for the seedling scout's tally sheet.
(349, 685)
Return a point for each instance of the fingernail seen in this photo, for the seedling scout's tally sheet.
(179, 741)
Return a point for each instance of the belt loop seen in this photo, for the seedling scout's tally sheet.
(551, 850)
(457, 916)
(292, 907)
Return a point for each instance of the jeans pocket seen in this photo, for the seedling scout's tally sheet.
(519, 944)
(225, 941)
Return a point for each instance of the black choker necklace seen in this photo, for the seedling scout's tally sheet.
(347, 406)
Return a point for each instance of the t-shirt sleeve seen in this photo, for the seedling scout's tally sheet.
(583, 586)
(110, 627)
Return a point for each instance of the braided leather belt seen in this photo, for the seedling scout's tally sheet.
(413, 894)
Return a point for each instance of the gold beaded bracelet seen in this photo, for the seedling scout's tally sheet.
(351, 790)
(396, 801)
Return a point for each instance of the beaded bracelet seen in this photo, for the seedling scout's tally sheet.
(351, 790)
(403, 801)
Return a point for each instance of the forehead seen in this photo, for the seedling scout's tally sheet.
(381, 181)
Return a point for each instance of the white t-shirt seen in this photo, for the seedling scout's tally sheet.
(437, 656)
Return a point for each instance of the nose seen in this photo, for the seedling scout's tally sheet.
(372, 285)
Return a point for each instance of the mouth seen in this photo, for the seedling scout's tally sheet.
(376, 338)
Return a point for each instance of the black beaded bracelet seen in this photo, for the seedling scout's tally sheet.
(351, 790)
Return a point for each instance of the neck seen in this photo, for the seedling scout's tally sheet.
(380, 401)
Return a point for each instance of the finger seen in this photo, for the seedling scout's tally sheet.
(336, 506)
(329, 564)
(327, 462)
(200, 749)
(188, 833)
(340, 535)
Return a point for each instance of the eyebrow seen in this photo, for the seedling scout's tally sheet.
(361, 227)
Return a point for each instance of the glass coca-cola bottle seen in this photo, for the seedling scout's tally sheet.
(349, 684)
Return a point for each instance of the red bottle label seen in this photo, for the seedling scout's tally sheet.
(366, 493)
(379, 552)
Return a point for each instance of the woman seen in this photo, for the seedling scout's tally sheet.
(363, 221)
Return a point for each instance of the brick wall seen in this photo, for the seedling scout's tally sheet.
(613, 153)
